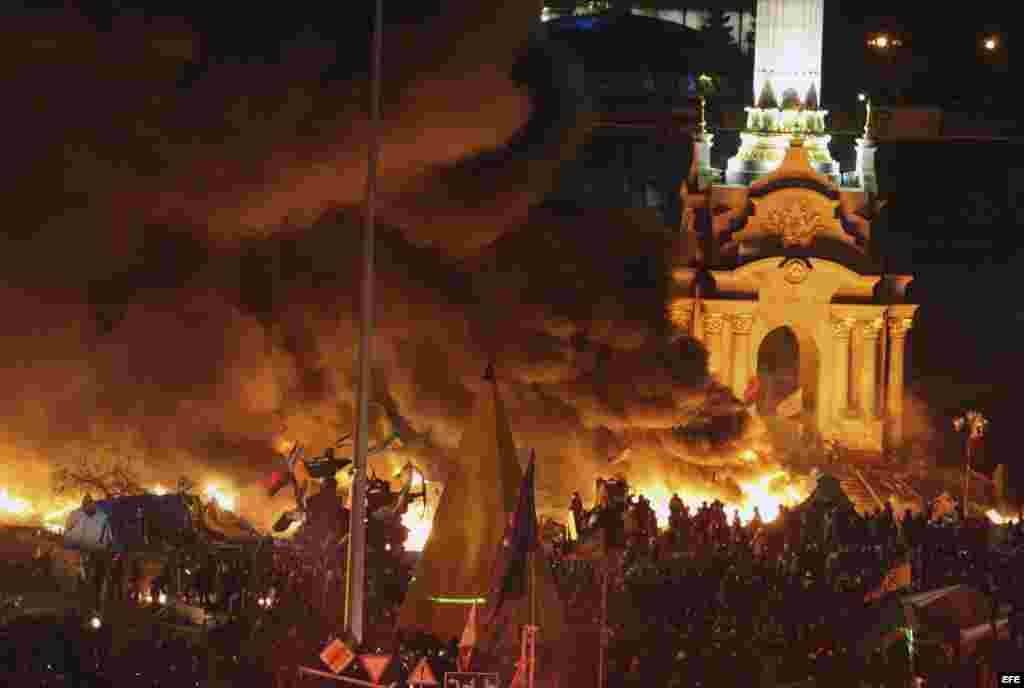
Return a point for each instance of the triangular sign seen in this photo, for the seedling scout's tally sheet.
(337, 655)
(422, 675)
(375, 665)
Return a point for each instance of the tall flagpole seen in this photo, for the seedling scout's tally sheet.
(355, 601)
(532, 631)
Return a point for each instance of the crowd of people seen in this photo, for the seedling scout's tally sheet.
(703, 600)
(713, 601)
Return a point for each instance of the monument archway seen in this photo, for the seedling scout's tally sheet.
(788, 374)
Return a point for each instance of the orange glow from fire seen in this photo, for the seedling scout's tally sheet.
(218, 495)
(417, 520)
(768, 493)
(999, 519)
(418, 524)
(11, 505)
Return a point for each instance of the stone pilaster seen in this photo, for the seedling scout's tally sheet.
(741, 328)
(865, 168)
(841, 331)
(898, 328)
(871, 333)
(714, 327)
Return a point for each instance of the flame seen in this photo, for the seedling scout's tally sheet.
(60, 513)
(418, 524)
(223, 500)
(999, 519)
(159, 490)
(765, 493)
(14, 506)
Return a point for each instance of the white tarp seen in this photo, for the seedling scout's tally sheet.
(88, 532)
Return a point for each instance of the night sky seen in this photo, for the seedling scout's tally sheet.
(180, 251)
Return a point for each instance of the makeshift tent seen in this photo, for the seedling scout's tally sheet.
(126, 523)
(457, 565)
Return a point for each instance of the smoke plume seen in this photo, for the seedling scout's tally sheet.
(181, 263)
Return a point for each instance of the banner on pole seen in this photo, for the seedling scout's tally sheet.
(465, 679)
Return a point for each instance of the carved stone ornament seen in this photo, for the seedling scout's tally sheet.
(713, 323)
(898, 327)
(796, 271)
(873, 328)
(795, 223)
(742, 324)
(842, 328)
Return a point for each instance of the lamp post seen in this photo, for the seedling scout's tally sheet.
(975, 424)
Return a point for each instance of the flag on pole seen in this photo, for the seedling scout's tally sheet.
(519, 678)
(468, 642)
(520, 539)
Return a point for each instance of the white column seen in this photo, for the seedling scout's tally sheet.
(714, 325)
(788, 46)
(841, 330)
(869, 368)
(741, 327)
(898, 328)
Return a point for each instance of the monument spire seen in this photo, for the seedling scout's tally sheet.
(787, 92)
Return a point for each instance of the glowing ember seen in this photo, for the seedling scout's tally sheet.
(418, 524)
(14, 506)
(998, 518)
(223, 500)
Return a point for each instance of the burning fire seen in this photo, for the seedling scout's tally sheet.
(418, 524)
(767, 493)
(417, 520)
(999, 519)
(223, 500)
(13, 506)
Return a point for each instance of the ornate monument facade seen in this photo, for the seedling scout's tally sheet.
(782, 253)
(792, 251)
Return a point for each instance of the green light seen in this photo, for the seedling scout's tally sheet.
(459, 600)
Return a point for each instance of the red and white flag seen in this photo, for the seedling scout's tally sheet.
(519, 679)
(468, 642)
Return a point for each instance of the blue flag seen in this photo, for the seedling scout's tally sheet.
(521, 538)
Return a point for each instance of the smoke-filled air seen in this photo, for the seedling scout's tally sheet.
(181, 268)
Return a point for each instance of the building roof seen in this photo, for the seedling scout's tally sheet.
(617, 42)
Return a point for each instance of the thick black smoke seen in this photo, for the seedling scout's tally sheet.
(181, 254)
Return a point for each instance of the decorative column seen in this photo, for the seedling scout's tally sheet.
(788, 46)
(741, 327)
(841, 330)
(898, 328)
(869, 369)
(714, 325)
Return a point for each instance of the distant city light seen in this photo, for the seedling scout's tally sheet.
(884, 41)
(991, 43)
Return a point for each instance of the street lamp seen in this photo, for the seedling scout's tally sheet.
(975, 424)
(883, 42)
(991, 43)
